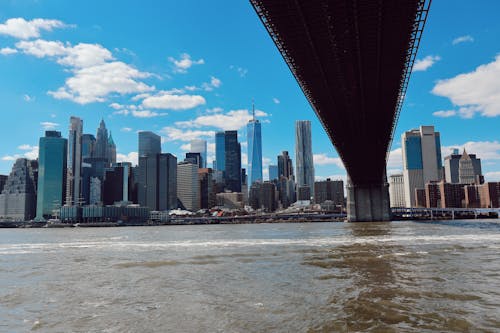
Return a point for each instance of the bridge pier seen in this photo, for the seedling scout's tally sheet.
(368, 203)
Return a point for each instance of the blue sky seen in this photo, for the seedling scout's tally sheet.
(185, 69)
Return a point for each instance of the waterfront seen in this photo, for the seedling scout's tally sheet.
(311, 277)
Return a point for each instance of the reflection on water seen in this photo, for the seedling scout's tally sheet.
(324, 277)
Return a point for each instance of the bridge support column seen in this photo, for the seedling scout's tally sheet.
(368, 203)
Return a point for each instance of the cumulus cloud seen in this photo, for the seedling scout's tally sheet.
(485, 150)
(463, 39)
(175, 134)
(185, 62)
(7, 51)
(22, 29)
(493, 176)
(232, 120)
(395, 160)
(214, 83)
(444, 113)
(132, 157)
(323, 159)
(474, 92)
(167, 100)
(146, 114)
(126, 129)
(48, 125)
(425, 63)
(29, 152)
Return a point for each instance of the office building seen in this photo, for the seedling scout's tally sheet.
(471, 168)
(116, 186)
(194, 158)
(3, 180)
(421, 160)
(397, 190)
(303, 157)
(200, 146)
(263, 196)
(285, 165)
(18, 197)
(157, 183)
(101, 143)
(207, 188)
(254, 142)
(149, 143)
(74, 162)
(273, 172)
(111, 150)
(332, 190)
(232, 162)
(52, 161)
(303, 192)
(220, 151)
(188, 186)
(231, 200)
(88, 146)
(489, 194)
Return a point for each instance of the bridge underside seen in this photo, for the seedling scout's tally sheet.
(352, 59)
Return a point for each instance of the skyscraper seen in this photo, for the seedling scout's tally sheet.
(469, 169)
(149, 143)
(397, 190)
(52, 161)
(254, 141)
(200, 146)
(101, 143)
(452, 168)
(74, 162)
(88, 146)
(111, 150)
(220, 151)
(285, 166)
(157, 185)
(303, 155)
(188, 186)
(232, 161)
(421, 160)
(273, 172)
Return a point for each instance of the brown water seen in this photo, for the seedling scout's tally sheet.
(317, 277)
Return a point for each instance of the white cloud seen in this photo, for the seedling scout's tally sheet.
(175, 134)
(184, 63)
(130, 157)
(244, 159)
(242, 72)
(426, 63)
(444, 113)
(232, 120)
(474, 92)
(31, 153)
(395, 160)
(25, 147)
(166, 100)
(7, 51)
(463, 39)
(215, 110)
(126, 129)
(47, 125)
(22, 29)
(123, 112)
(323, 159)
(485, 150)
(28, 98)
(265, 162)
(147, 114)
(276, 101)
(214, 83)
(493, 176)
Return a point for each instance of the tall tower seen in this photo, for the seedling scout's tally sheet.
(232, 161)
(254, 141)
(303, 154)
(285, 166)
(74, 162)
(220, 151)
(111, 150)
(52, 159)
(101, 144)
(421, 160)
(149, 143)
(200, 146)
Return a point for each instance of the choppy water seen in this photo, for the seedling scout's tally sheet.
(320, 277)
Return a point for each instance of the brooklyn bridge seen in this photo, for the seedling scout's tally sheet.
(353, 60)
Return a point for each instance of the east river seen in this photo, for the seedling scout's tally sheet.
(311, 277)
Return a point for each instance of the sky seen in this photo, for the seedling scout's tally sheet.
(186, 69)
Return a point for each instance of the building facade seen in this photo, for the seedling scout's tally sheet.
(74, 162)
(200, 146)
(332, 190)
(188, 186)
(52, 161)
(303, 155)
(232, 173)
(421, 160)
(452, 168)
(220, 151)
(397, 190)
(149, 143)
(254, 142)
(285, 165)
(273, 172)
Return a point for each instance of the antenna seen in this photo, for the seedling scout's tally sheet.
(253, 110)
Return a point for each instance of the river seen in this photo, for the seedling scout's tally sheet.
(310, 277)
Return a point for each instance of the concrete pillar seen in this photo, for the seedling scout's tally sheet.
(368, 203)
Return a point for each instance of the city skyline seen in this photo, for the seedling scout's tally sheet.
(218, 83)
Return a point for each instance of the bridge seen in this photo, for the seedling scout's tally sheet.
(352, 59)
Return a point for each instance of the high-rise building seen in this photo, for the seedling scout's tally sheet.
(207, 191)
(88, 146)
(188, 186)
(273, 172)
(397, 190)
(304, 156)
(332, 190)
(285, 165)
(3, 179)
(18, 198)
(254, 142)
(149, 143)
(220, 151)
(200, 146)
(194, 158)
(157, 184)
(74, 162)
(421, 160)
(232, 161)
(52, 161)
(263, 196)
(452, 168)
(116, 186)
(111, 150)
(469, 169)
(101, 143)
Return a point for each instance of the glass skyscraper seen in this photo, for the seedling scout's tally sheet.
(220, 151)
(149, 143)
(74, 162)
(232, 161)
(52, 161)
(254, 141)
(303, 154)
